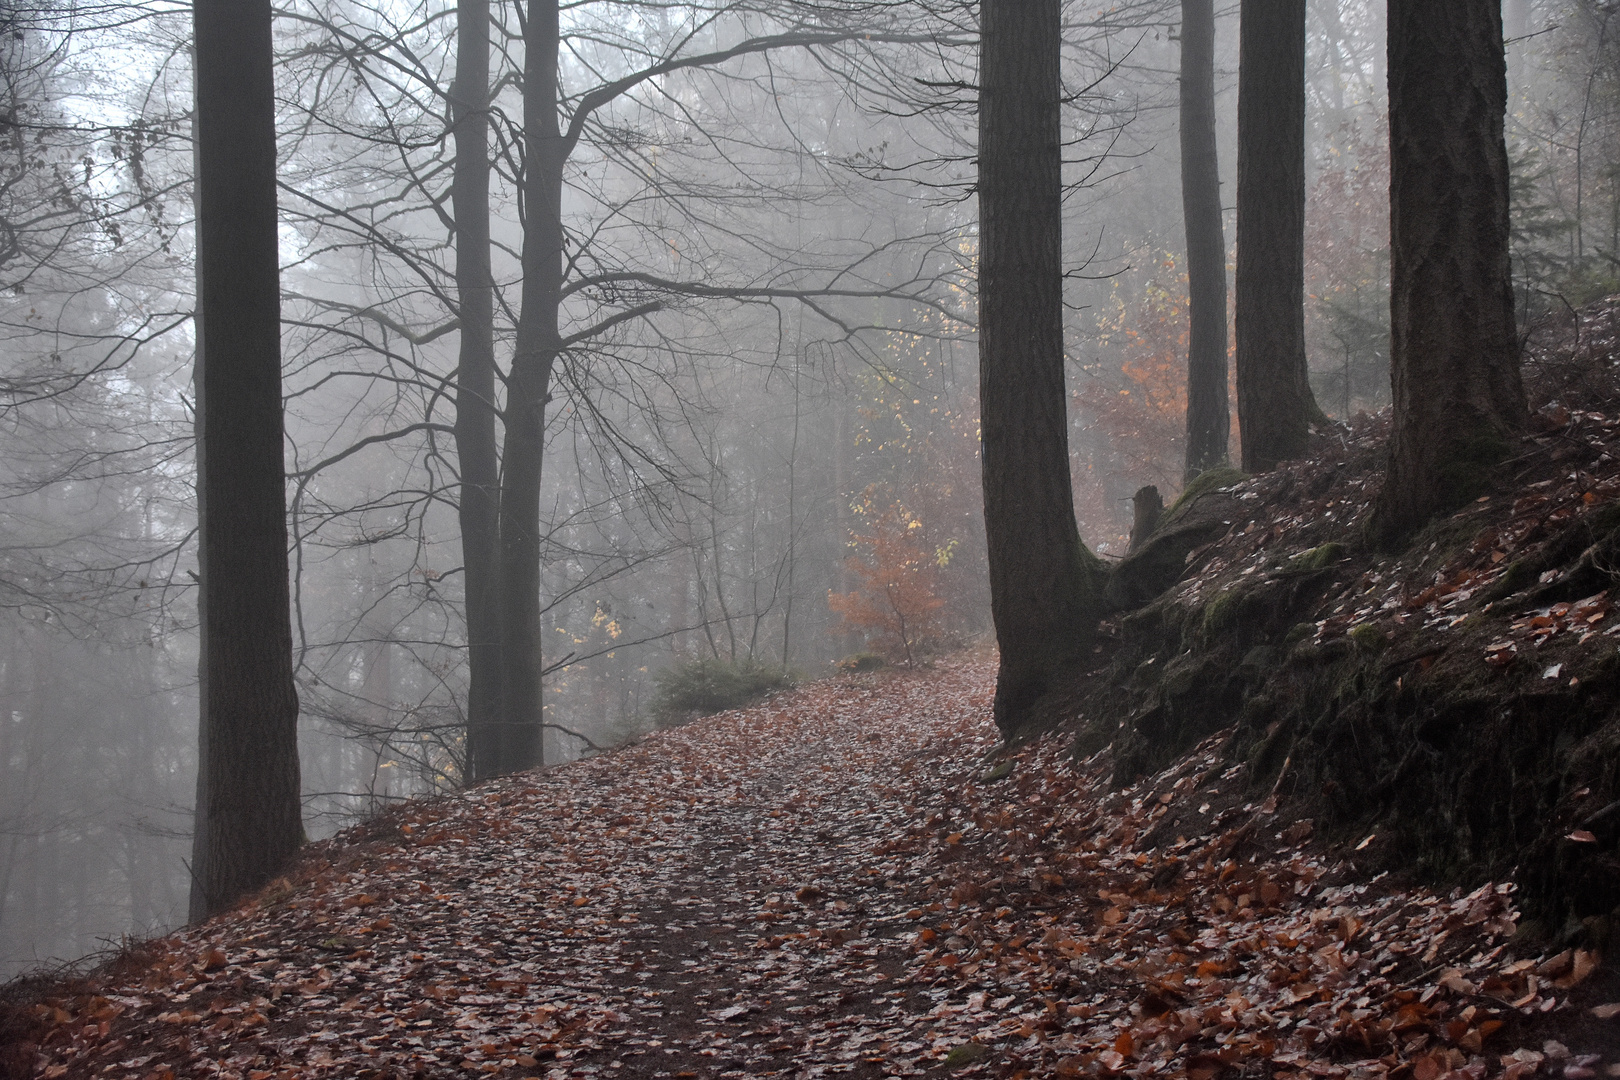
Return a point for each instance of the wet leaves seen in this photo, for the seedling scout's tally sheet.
(775, 891)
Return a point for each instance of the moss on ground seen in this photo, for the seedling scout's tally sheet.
(1205, 482)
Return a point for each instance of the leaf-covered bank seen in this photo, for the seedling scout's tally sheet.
(1455, 704)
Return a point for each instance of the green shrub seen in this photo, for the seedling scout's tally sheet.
(700, 687)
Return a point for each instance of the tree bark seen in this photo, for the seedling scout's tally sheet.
(1458, 398)
(1043, 593)
(1275, 405)
(248, 814)
(1208, 410)
(1147, 507)
(528, 392)
(475, 386)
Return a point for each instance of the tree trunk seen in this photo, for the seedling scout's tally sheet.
(1042, 578)
(248, 816)
(1208, 410)
(475, 386)
(1454, 368)
(1147, 507)
(1275, 406)
(528, 392)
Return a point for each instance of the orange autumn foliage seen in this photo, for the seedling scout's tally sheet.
(898, 597)
(1132, 406)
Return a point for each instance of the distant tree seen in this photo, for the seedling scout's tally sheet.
(528, 389)
(898, 573)
(554, 125)
(248, 812)
(1208, 410)
(479, 506)
(1043, 594)
(1275, 404)
(1459, 400)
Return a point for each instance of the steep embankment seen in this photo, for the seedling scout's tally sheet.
(839, 881)
(1459, 702)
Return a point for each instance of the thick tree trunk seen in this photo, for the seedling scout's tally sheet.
(1275, 406)
(528, 392)
(248, 815)
(475, 386)
(1454, 368)
(1208, 410)
(1042, 579)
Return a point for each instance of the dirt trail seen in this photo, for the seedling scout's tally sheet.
(707, 903)
(838, 883)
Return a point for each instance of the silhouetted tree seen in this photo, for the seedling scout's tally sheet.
(1275, 404)
(248, 812)
(1459, 400)
(1042, 578)
(1208, 410)
(479, 506)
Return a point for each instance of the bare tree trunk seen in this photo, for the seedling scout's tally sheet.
(1275, 405)
(1459, 401)
(1147, 507)
(475, 386)
(528, 392)
(1209, 422)
(680, 588)
(1042, 578)
(248, 815)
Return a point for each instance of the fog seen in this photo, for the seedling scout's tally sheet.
(767, 404)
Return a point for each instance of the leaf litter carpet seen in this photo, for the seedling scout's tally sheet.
(838, 882)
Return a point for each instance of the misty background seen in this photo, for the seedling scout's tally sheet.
(728, 476)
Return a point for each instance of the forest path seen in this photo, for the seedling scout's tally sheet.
(713, 901)
(834, 883)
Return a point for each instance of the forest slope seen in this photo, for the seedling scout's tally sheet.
(843, 880)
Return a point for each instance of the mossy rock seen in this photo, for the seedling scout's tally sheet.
(1001, 771)
(1309, 653)
(1368, 638)
(1189, 673)
(1148, 673)
(1258, 662)
(1300, 631)
(1232, 609)
(1202, 484)
(1317, 558)
(1163, 624)
(967, 1054)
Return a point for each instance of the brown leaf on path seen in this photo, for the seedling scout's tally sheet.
(560, 923)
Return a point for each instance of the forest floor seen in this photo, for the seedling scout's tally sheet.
(847, 879)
